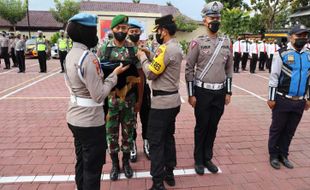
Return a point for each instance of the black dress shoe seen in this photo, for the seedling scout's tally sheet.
(286, 162)
(211, 167)
(169, 178)
(158, 186)
(275, 163)
(199, 169)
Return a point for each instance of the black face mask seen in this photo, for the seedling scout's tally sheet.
(300, 43)
(214, 26)
(120, 36)
(158, 39)
(134, 37)
(92, 42)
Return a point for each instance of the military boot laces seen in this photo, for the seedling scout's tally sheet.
(126, 166)
(133, 153)
(146, 148)
(115, 171)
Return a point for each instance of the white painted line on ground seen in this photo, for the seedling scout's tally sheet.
(44, 178)
(33, 83)
(22, 179)
(10, 179)
(261, 76)
(16, 69)
(252, 93)
(104, 177)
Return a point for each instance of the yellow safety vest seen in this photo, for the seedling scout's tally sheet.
(41, 44)
(70, 43)
(63, 44)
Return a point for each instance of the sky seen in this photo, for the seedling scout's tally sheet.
(191, 8)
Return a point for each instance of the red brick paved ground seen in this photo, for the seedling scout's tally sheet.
(34, 138)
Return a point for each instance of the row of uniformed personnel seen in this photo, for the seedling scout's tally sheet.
(13, 45)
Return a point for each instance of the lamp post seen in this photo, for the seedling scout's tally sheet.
(27, 1)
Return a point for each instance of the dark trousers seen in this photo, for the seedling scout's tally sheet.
(262, 60)
(90, 149)
(245, 57)
(62, 57)
(20, 59)
(13, 57)
(161, 129)
(208, 111)
(42, 60)
(6, 57)
(237, 58)
(285, 118)
(253, 63)
(269, 62)
(145, 109)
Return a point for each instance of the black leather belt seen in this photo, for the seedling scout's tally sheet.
(163, 93)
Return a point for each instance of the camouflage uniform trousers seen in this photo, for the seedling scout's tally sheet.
(120, 112)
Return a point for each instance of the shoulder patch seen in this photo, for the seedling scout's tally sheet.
(96, 62)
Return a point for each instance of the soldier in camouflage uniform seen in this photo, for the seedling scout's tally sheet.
(125, 99)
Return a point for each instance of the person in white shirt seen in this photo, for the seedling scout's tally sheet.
(237, 54)
(272, 48)
(245, 49)
(262, 55)
(254, 54)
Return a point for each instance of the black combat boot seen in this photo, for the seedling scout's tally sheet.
(126, 166)
(158, 185)
(169, 178)
(115, 171)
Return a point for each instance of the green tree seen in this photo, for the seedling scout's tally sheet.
(232, 4)
(235, 21)
(256, 26)
(13, 11)
(64, 11)
(185, 24)
(296, 4)
(136, 1)
(169, 3)
(270, 9)
(55, 37)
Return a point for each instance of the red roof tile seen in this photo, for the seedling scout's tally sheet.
(43, 19)
(128, 7)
